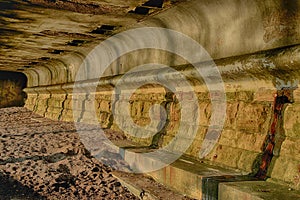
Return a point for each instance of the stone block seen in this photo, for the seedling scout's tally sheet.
(286, 170)
(180, 145)
(67, 115)
(203, 96)
(190, 112)
(195, 146)
(291, 148)
(204, 113)
(226, 156)
(231, 113)
(175, 111)
(188, 176)
(146, 109)
(78, 104)
(254, 118)
(105, 106)
(55, 102)
(251, 142)
(292, 120)
(255, 190)
(89, 117)
(246, 96)
(143, 122)
(167, 139)
(172, 128)
(53, 113)
(31, 101)
(68, 103)
(229, 137)
(296, 95)
(86, 104)
(248, 161)
(264, 95)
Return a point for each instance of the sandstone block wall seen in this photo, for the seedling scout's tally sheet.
(286, 165)
(240, 145)
(250, 94)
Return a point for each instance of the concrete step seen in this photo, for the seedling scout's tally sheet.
(256, 190)
(146, 188)
(195, 179)
(198, 180)
(186, 176)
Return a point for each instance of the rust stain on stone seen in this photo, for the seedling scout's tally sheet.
(282, 97)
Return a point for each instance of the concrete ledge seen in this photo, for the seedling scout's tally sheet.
(146, 188)
(192, 178)
(256, 190)
(186, 176)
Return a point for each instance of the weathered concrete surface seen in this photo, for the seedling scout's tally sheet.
(54, 47)
(256, 190)
(223, 28)
(189, 176)
(147, 188)
(36, 33)
(48, 157)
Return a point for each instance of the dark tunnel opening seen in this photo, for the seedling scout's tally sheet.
(11, 89)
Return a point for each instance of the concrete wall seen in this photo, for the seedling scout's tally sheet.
(224, 28)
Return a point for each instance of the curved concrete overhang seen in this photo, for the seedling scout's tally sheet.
(37, 34)
(266, 67)
(224, 28)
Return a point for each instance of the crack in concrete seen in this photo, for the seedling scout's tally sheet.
(63, 107)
